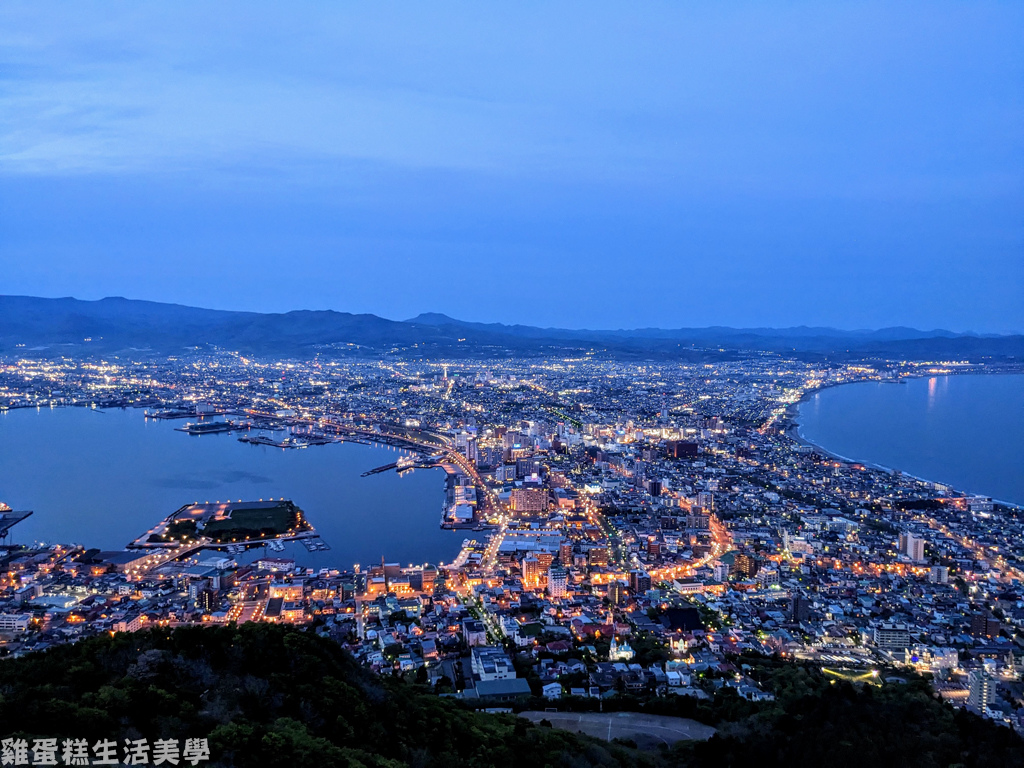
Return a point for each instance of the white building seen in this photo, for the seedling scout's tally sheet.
(474, 632)
(558, 581)
(982, 690)
(912, 546)
(15, 622)
(892, 637)
(552, 691)
(930, 659)
(491, 663)
(618, 652)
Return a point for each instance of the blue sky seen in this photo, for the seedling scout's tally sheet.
(584, 164)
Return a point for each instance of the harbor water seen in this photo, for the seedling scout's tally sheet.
(101, 478)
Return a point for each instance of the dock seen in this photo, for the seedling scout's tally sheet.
(8, 519)
(214, 427)
(227, 526)
(288, 442)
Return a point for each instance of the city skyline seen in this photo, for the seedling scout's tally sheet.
(851, 167)
(667, 531)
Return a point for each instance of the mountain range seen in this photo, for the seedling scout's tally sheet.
(46, 327)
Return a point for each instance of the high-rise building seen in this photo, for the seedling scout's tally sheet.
(698, 522)
(982, 690)
(531, 571)
(195, 588)
(598, 556)
(489, 457)
(558, 581)
(679, 449)
(799, 608)
(529, 499)
(544, 559)
(706, 500)
(892, 636)
(526, 466)
(514, 440)
(639, 582)
(912, 546)
(428, 577)
(746, 565)
(207, 600)
(565, 553)
(983, 626)
(617, 593)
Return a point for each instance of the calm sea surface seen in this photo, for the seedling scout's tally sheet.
(101, 478)
(964, 431)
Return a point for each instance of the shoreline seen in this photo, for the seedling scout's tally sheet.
(794, 433)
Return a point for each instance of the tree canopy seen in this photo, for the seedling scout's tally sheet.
(267, 695)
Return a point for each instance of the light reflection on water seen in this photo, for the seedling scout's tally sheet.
(964, 431)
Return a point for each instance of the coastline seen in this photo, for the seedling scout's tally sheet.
(793, 431)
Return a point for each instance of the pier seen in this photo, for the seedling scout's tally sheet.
(214, 427)
(404, 464)
(8, 519)
(230, 526)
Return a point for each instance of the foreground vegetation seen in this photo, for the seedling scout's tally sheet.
(269, 696)
(272, 696)
(817, 720)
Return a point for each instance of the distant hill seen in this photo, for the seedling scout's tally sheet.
(71, 326)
